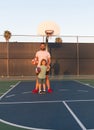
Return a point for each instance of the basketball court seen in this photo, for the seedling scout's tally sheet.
(68, 107)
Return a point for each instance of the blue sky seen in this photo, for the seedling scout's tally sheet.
(74, 17)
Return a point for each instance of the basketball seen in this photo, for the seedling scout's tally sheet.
(34, 61)
(38, 70)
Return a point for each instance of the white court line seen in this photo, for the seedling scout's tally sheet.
(76, 90)
(20, 126)
(88, 85)
(12, 95)
(88, 100)
(74, 116)
(82, 91)
(26, 92)
(38, 102)
(9, 90)
(33, 102)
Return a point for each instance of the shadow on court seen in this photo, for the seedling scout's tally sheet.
(67, 108)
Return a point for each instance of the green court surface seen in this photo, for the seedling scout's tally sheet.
(8, 127)
(6, 85)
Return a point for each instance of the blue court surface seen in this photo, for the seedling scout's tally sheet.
(69, 107)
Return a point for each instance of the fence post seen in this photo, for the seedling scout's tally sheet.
(77, 56)
(7, 43)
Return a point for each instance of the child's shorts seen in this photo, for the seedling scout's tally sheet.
(41, 81)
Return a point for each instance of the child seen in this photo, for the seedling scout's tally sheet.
(42, 76)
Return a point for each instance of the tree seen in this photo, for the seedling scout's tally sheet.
(7, 35)
(58, 40)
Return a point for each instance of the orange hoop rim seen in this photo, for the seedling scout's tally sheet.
(49, 32)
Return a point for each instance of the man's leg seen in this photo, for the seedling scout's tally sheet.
(48, 84)
(35, 90)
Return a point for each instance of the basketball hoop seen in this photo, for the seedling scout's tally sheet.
(49, 32)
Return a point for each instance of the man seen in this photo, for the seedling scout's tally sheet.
(42, 54)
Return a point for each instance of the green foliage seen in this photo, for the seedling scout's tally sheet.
(58, 40)
(7, 35)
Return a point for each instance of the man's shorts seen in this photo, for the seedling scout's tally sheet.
(47, 73)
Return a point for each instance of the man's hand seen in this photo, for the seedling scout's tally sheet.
(34, 61)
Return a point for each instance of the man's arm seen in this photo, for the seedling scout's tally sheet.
(49, 61)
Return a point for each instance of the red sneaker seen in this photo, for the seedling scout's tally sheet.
(50, 90)
(34, 91)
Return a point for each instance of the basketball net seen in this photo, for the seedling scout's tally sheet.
(48, 33)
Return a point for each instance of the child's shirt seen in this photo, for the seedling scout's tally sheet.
(42, 74)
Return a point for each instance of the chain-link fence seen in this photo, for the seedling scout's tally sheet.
(67, 58)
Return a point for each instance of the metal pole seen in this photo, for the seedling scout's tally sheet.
(77, 57)
(7, 58)
(47, 37)
(43, 39)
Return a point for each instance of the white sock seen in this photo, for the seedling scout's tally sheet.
(40, 90)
